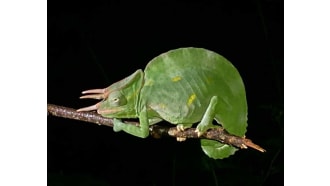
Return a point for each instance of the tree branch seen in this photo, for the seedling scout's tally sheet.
(156, 131)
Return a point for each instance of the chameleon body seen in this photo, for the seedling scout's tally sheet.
(184, 86)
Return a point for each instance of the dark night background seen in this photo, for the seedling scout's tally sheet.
(93, 44)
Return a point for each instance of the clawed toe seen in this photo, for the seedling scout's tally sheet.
(180, 139)
(199, 133)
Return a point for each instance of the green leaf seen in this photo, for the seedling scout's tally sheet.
(217, 150)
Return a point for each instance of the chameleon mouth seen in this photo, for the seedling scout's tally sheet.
(100, 111)
(109, 111)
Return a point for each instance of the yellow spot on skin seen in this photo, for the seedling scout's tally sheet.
(191, 99)
(163, 106)
(176, 78)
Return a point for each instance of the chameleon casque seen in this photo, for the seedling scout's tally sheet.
(185, 86)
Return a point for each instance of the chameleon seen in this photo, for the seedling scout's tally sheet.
(185, 87)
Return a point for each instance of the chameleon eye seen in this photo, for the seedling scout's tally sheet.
(117, 99)
(116, 102)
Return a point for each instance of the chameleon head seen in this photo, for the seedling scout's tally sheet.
(118, 100)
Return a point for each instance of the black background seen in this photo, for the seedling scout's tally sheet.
(93, 44)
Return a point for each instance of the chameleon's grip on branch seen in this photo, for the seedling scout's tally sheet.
(156, 131)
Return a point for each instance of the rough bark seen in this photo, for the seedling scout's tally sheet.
(156, 131)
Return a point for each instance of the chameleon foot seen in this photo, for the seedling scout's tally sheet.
(180, 139)
(180, 127)
(199, 133)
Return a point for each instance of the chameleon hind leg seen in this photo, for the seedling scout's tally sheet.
(208, 117)
(212, 148)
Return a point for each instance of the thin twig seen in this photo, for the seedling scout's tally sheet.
(156, 131)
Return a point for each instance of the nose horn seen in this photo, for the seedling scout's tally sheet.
(95, 94)
(90, 108)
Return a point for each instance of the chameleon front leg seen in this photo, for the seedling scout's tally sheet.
(182, 127)
(141, 131)
(208, 117)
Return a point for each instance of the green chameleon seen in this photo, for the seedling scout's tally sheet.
(184, 86)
